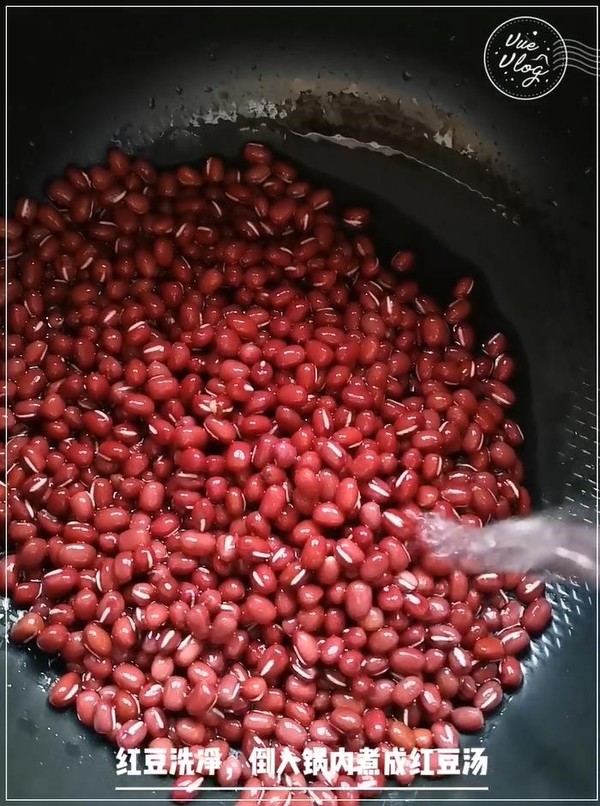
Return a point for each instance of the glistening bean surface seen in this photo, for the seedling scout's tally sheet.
(328, 512)
(403, 372)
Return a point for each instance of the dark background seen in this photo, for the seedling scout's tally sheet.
(512, 201)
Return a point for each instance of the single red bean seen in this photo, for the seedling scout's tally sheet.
(358, 600)
(290, 733)
(85, 705)
(444, 636)
(401, 735)
(430, 698)
(56, 584)
(403, 261)
(131, 734)
(444, 735)
(26, 628)
(511, 673)
(186, 788)
(346, 720)
(529, 589)
(488, 697)
(129, 677)
(97, 640)
(467, 719)
(407, 661)
(447, 682)
(515, 639)
(407, 690)
(537, 616)
(65, 690)
(489, 648)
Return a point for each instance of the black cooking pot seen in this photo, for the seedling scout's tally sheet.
(391, 108)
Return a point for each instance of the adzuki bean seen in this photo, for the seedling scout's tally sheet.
(225, 421)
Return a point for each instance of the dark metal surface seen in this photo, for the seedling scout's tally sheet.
(477, 183)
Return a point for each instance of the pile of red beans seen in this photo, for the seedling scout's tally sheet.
(226, 419)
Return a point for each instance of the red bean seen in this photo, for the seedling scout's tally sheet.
(489, 696)
(467, 719)
(306, 648)
(529, 589)
(407, 661)
(97, 640)
(314, 553)
(129, 677)
(257, 153)
(65, 690)
(403, 261)
(56, 584)
(358, 600)
(444, 735)
(346, 720)
(260, 610)
(328, 515)
(290, 733)
(85, 704)
(400, 734)
(197, 544)
(502, 455)
(123, 632)
(511, 673)
(220, 429)
(447, 682)
(26, 628)
(221, 442)
(131, 734)
(273, 501)
(434, 331)
(407, 690)
(260, 722)
(537, 616)
(430, 699)
(185, 788)
(515, 639)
